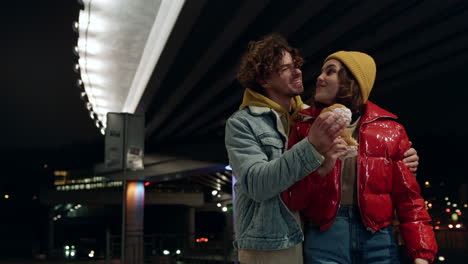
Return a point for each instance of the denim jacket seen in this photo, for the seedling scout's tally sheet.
(256, 143)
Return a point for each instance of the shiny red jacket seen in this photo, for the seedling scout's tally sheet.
(384, 183)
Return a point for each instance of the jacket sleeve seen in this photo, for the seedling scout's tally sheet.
(260, 178)
(414, 219)
(297, 197)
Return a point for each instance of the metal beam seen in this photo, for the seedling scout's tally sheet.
(243, 18)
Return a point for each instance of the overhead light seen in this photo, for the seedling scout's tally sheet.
(76, 26)
(224, 209)
(91, 46)
(218, 204)
(103, 130)
(93, 64)
(76, 51)
(113, 76)
(214, 192)
(84, 96)
(102, 102)
(76, 68)
(79, 83)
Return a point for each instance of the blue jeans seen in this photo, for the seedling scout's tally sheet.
(347, 241)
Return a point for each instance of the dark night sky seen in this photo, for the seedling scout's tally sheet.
(41, 106)
(43, 118)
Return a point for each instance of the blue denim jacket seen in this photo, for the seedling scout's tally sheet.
(256, 143)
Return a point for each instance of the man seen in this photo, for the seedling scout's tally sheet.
(256, 140)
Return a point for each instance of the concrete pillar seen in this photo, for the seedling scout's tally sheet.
(228, 236)
(134, 215)
(51, 234)
(191, 227)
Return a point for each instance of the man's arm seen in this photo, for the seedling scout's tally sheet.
(260, 178)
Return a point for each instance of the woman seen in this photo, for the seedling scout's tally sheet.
(349, 205)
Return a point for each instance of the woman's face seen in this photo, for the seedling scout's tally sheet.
(327, 82)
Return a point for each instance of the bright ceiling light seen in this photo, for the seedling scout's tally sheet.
(93, 64)
(162, 27)
(92, 46)
(97, 92)
(92, 79)
(101, 102)
(119, 44)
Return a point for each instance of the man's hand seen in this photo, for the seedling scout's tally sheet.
(420, 261)
(324, 130)
(338, 149)
(411, 159)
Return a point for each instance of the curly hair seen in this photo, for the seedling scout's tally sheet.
(349, 93)
(262, 58)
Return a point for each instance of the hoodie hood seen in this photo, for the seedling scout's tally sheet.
(252, 98)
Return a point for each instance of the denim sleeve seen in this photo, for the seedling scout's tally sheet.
(260, 178)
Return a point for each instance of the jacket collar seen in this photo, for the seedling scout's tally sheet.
(372, 113)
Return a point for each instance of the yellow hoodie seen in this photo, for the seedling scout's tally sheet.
(252, 98)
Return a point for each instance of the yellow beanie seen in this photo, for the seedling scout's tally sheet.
(361, 65)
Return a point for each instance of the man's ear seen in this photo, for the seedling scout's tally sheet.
(263, 83)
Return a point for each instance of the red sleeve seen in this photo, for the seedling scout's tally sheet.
(298, 196)
(414, 219)
(295, 135)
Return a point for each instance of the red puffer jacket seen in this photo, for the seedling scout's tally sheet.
(384, 183)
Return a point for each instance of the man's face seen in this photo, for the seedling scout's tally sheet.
(285, 83)
(328, 83)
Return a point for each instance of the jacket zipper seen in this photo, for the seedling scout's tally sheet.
(357, 182)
